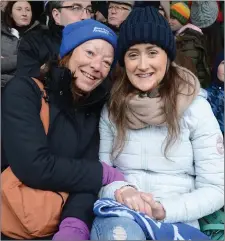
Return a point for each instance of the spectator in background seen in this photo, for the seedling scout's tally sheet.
(101, 13)
(43, 44)
(118, 12)
(204, 15)
(216, 90)
(17, 22)
(190, 40)
(222, 21)
(162, 6)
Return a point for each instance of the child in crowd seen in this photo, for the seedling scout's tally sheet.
(190, 40)
(216, 90)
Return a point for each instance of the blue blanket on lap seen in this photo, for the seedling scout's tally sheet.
(154, 230)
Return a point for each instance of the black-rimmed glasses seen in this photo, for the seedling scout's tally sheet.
(79, 9)
(118, 8)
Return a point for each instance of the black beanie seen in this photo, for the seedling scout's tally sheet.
(102, 7)
(145, 25)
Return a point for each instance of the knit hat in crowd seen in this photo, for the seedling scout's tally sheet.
(181, 12)
(102, 7)
(204, 13)
(145, 25)
(45, 3)
(77, 33)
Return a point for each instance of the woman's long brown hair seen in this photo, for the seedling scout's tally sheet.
(64, 62)
(122, 91)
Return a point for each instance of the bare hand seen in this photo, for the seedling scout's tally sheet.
(130, 197)
(158, 212)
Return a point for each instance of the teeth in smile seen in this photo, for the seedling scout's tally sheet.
(144, 75)
(88, 75)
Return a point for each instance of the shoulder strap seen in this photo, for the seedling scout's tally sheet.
(44, 113)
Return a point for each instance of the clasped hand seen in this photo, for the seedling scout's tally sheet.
(140, 201)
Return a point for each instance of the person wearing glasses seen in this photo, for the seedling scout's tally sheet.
(43, 44)
(118, 12)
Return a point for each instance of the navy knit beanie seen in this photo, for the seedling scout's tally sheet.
(145, 25)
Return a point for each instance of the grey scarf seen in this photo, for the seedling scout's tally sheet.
(147, 110)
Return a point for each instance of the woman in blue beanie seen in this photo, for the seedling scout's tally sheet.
(160, 131)
(216, 90)
(66, 160)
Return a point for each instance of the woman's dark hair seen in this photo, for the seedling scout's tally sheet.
(46, 69)
(7, 18)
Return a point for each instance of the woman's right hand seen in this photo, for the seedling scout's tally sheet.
(130, 197)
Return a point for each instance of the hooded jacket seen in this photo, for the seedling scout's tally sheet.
(38, 48)
(10, 41)
(67, 158)
(190, 41)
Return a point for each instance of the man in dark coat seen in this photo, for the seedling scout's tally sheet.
(43, 44)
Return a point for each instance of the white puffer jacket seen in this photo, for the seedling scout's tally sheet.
(191, 184)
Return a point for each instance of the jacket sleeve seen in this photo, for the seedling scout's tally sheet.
(26, 146)
(28, 58)
(8, 64)
(106, 143)
(5, 78)
(208, 153)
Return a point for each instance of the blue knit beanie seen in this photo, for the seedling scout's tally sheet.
(145, 25)
(77, 33)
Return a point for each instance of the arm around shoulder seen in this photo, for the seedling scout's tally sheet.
(26, 145)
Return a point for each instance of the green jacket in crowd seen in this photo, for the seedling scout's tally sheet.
(191, 43)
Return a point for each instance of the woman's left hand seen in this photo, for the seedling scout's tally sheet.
(158, 212)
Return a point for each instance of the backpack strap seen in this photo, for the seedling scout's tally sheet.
(208, 227)
(44, 112)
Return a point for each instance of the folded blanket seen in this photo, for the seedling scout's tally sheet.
(153, 229)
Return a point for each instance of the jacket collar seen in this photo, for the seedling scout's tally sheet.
(11, 33)
(58, 83)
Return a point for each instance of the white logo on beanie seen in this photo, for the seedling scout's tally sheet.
(101, 30)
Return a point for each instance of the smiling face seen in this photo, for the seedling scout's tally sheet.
(21, 13)
(145, 66)
(91, 62)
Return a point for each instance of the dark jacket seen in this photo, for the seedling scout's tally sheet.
(9, 49)
(191, 43)
(67, 158)
(38, 48)
(216, 93)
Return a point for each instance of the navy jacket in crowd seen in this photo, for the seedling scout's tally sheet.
(216, 94)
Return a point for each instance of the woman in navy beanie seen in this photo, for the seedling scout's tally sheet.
(66, 160)
(160, 131)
